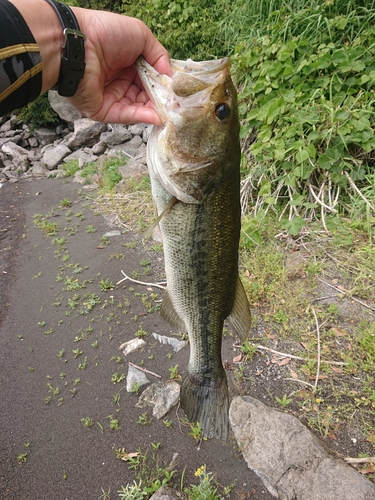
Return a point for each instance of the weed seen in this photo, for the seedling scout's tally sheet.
(113, 423)
(141, 332)
(87, 422)
(65, 203)
(195, 431)
(118, 377)
(83, 365)
(206, 489)
(106, 495)
(144, 419)
(132, 491)
(248, 350)
(106, 285)
(90, 229)
(136, 387)
(284, 401)
(22, 458)
(173, 372)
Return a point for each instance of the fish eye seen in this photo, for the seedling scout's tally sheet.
(222, 111)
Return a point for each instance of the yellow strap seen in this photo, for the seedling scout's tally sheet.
(21, 80)
(21, 48)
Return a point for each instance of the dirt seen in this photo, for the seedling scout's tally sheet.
(60, 361)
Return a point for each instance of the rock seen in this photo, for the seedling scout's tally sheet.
(131, 345)
(167, 493)
(116, 135)
(39, 170)
(33, 142)
(52, 157)
(135, 166)
(162, 396)
(62, 107)
(130, 148)
(99, 148)
(79, 179)
(5, 127)
(110, 234)
(176, 344)
(135, 379)
(85, 133)
(18, 155)
(15, 139)
(136, 129)
(291, 461)
(45, 136)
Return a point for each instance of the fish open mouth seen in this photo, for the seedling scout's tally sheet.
(188, 89)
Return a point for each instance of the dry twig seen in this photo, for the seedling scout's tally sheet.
(144, 370)
(158, 285)
(318, 338)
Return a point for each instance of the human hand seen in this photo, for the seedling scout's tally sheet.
(111, 90)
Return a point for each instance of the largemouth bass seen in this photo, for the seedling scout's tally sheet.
(193, 162)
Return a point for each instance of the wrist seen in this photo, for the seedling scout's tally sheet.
(72, 67)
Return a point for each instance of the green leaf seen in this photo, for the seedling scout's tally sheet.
(293, 226)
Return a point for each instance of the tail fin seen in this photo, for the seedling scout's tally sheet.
(207, 404)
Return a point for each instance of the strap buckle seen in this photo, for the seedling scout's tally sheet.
(75, 33)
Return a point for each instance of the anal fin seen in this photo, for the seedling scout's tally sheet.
(169, 314)
(240, 317)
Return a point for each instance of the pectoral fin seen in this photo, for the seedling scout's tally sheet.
(170, 204)
(240, 317)
(168, 312)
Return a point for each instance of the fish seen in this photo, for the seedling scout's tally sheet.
(193, 161)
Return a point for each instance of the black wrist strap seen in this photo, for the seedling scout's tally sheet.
(73, 58)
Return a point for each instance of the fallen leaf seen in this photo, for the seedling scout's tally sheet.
(332, 436)
(238, 358)
(284, 361)
(293, 374)
(320, 377)
(246, 273)
(269, 335)
(337, 370)
(341, 288)
(368, 470)
(128, 456)
(259, 373)
(338, 332)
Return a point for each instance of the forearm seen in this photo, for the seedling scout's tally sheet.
(47, 31)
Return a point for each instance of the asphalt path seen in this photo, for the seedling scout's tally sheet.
(60, 367)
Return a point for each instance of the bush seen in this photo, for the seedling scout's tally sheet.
(307, 105)
(39, 113)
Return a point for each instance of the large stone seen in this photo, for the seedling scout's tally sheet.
(135, 379)
(39, 170)
(129, 149)
(18, 155)
(62, 107)
(116, 135)
(86, 133)
(167, 493)
(161, 396)
(45, 135)
(53, 156)
(291, 461)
